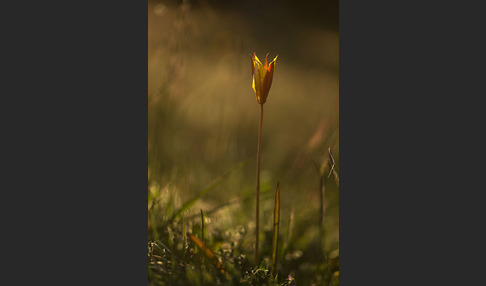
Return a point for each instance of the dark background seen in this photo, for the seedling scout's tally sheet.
(410, 131)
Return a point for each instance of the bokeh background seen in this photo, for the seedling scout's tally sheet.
(203, 115)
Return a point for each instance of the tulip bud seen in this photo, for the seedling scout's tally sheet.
(262, 77)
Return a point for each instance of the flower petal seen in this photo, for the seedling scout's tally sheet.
(267, 81)
(253, 64)
(256, 58)
(258, 79)
(273, 61)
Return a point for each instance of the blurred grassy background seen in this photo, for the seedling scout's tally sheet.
(203, 115)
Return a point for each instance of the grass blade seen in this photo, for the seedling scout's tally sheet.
(209, 254)
(276, 222)
(211, 186)
(184, 241)
(333, 170)
(202, 226)
(202, 232)
(289, 229)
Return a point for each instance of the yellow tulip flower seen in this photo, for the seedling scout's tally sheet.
(262, 77)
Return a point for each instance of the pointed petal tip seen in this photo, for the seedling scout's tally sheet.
(255, 58)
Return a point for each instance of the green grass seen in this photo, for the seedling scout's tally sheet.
(175, 260)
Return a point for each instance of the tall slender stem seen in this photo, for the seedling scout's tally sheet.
(322, 200)
(258, 185)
